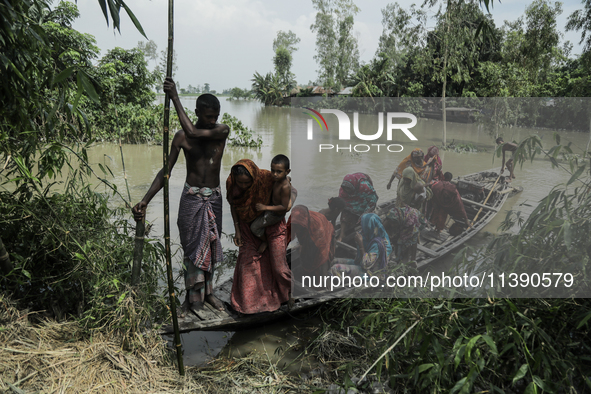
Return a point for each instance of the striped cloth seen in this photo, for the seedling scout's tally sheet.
(200, 226)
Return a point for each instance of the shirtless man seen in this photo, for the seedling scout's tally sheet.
(507, 147)
(203, 145)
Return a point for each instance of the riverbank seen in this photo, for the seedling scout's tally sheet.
(42, 355)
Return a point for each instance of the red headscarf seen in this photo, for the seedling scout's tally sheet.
(321, 233)
(436, 164)
(244, 201)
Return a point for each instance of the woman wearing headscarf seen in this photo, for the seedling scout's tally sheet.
(262, 281)
(434, 165)
(373, 250)
(414, 161)
(412, 190)
(360, 197)
(403, 225)
(315, 235)
(446, 201)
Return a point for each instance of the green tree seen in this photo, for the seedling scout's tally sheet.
(282, 61)
(161, 67)
(150, 50)
(126, 78)
(337, 51)
(205, 88)
(287, 40)
(268, 89)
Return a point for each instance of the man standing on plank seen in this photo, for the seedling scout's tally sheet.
(200, 210)
(507, 147)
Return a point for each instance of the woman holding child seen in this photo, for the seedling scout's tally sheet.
(262, 281)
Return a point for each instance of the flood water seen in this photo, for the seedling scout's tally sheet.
(143, 162)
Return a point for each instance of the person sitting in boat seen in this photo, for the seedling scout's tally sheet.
(434, 165)
(315, 236)
(274, 213)
(507, 147)
(414, 161)
(262, 281)
(412, 190)
(446, 201)
(335, 207)
(360, 197)
(373, 250)
(403, 225)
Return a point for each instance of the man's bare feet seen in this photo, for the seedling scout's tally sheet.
(184, 311)
(263, 247)
(215, 302)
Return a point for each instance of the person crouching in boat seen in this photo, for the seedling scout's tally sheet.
(412, 190)
(373, 250)
(315, 236)
(262, 281)
(446, 201)
(360, 197)
(335, 208)
(403, 225)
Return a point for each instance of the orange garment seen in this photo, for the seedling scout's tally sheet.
(244, 201)
(408, 162)
(320, 233)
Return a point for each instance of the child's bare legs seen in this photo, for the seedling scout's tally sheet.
(264, 244)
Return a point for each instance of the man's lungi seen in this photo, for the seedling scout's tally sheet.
(200, 228)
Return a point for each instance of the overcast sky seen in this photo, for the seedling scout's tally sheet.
(224, 42)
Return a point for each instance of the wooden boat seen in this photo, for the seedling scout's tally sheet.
(483, 193)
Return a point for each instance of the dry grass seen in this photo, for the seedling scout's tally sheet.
(52, 357)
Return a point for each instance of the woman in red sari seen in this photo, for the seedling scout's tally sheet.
(262, 281)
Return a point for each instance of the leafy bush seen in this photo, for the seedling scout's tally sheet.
(72, 255)
(240, 135)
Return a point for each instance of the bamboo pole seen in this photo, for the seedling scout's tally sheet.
(175, 323)
(140, 227)
(138, 251)
(487, 197)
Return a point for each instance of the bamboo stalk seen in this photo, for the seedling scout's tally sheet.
(138, 252)
(487, 197)
(175, 323)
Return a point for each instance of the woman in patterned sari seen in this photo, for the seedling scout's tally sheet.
(403, 225)
(262, 281)
(373, 250)
(414, 161)
(412, 190)
(360, 197)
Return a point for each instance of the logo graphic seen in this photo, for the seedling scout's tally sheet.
(317, 121)
(344, 129)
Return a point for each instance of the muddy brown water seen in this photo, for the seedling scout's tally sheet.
(273, 124)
